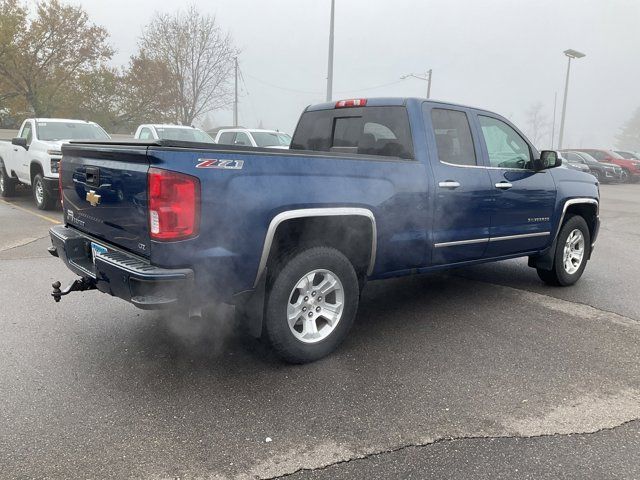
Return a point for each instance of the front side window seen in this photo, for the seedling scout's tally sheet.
(574, 157)
(453, 137)
(506, 148)
(597, 154)
(27, 133)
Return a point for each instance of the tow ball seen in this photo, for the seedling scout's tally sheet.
(79, 285)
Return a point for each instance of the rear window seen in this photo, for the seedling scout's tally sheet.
(382, 131)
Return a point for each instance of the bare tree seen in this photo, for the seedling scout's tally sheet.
(199, 57)
(537, 123)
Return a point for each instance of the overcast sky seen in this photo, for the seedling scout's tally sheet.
(503, 55)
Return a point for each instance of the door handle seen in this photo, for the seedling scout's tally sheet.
(451, 184)
(504, 185)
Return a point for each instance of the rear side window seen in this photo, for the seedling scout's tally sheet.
(453, 137)
(227, 138)
(381, 131)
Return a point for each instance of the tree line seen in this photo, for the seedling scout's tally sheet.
(55, 62)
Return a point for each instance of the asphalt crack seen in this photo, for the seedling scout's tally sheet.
(21, 243)
(448, 440)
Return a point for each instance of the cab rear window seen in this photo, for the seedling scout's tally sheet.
(381, 131)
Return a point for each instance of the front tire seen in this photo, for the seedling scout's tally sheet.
(572, 252)
(44, 200)
(626, 176)
(7, 184)
(311, 304)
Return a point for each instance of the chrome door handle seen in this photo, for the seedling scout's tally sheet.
(449, 184)
(504, 185)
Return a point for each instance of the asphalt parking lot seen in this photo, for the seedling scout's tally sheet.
(482, 372)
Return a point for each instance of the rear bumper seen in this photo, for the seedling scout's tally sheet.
(121, 274)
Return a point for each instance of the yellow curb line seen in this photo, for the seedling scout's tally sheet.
(44, 217)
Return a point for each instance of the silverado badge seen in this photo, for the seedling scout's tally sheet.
(93, 198)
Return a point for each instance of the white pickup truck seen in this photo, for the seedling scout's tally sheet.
(33, 157)
(183, 133)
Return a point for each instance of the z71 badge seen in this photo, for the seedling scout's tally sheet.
(223, 164)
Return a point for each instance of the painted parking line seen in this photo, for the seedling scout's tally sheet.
(44, 217)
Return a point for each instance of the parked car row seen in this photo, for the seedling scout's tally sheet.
(603, 171)
(628, 166)
(33, 157)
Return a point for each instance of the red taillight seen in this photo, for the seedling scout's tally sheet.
(354, 102)
(174, 205)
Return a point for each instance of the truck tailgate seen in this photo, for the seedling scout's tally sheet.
(104, 192)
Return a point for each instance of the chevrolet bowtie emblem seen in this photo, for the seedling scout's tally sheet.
(93, 198)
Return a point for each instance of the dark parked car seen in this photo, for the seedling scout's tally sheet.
(604, 172)
(628, 154)
(630, 168)
(566, 163)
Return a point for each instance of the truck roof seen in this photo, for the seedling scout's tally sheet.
(392, 102)
(60, 120)
(166, 125)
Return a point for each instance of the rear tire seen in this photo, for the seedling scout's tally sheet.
(44, 200)
(312, 300)
(572, 252)
(7, 184)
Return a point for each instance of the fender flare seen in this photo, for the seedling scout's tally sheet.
(545, 259)
(316, 212)
(252, 301)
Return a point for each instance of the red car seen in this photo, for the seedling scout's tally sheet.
(630, 167)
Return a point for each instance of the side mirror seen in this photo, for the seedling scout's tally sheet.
(20, 142)
(548, 159)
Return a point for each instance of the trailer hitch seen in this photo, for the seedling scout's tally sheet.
(79, 285)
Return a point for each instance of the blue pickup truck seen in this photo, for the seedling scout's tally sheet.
(370, 189)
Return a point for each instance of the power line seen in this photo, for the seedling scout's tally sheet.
(371, 88)
(279, 87)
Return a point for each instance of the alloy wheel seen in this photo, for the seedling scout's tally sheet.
(573, 253)
(315, 306)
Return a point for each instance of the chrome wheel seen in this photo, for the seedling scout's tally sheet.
(39, 191)
(315, 306)
(573, 252)
(2, 185)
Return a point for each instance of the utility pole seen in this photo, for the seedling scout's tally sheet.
(235, 100)
(330, 67)
(553, 125)
(426, 77)
(570, 55)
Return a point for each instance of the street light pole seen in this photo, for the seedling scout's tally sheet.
(235, 100)
(571, 54)
(430, 72)
(553, 125)
(330, 67)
